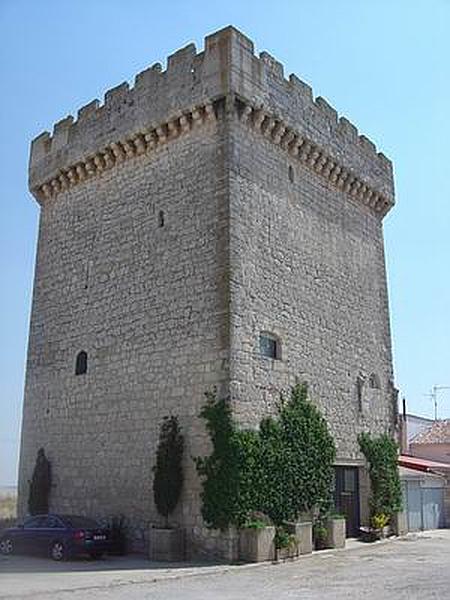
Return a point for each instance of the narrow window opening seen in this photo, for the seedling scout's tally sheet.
(81, 363)
(374, 382)
(270, 346)
(291, 174)
(359, 391)
(161, 218)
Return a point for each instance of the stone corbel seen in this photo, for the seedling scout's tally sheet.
(118, 151)
(259, 117)
(81, 172)
(210, 114)
(139, 142)
(267, 126)
(184, 124)
(287, 138)
(278, 132)
(90, 167)
(72, 175)
(108, 157)
(196, 117)
(47, 190)
(246, 114)
(129, 148)
(99, 162)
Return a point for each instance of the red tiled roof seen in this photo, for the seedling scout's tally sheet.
(437, 433)
(421, 464)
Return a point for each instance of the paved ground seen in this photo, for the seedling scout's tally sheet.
(417, 567)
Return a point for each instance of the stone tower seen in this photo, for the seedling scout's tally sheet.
(214, 225)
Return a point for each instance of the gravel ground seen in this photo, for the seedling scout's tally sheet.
(416, 567)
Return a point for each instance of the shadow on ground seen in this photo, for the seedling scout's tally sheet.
(38, 564)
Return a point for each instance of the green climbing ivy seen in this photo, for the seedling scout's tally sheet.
(382, 455)
(282, 470)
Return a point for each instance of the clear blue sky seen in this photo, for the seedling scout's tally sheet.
(383, 64)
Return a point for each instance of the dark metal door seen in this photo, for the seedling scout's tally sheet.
(346, 497)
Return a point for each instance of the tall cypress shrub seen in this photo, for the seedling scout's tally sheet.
(168, 471)
(40, 485)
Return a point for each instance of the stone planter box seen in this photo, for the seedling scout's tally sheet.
(167, 544)
(303, 535)
(335, 533)
(257, 545)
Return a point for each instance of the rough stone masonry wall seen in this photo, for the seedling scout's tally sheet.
(149, 306)
(307, 265)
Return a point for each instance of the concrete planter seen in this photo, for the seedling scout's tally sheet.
(257, 545)
(400, 523)
(167, 544)
(303, 535)
(335, 533)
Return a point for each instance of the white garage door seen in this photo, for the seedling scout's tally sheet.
(424, 506)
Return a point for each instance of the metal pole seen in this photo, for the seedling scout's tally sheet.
(433, 395)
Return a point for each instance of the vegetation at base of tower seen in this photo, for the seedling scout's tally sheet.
(282, 470)
(382, 453)
(40, 485)
(220, 471)
(168, 471)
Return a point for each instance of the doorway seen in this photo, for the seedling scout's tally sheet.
(346, 497)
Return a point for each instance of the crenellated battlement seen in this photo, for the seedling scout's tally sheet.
(162, 104)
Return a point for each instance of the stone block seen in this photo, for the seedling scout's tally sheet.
(303, 535)
(335, 533)
(257, 545)
(400, 523)
(166, 544)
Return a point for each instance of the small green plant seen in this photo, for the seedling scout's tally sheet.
(319, 531)
(257, 520)
(336, 516)
(284, 539)
(168, 471)
(379, 521)
(40, 485)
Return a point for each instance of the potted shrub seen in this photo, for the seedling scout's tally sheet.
(167, 542)
(286, 545)
(379, 528)
(380, 523)
(257, 539)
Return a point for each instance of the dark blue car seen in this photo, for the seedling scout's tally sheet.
(57, 536)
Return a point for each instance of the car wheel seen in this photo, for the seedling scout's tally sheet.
(6, 546)
(95, 555)
(58, 551)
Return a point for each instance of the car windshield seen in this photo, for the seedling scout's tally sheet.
(80, 522)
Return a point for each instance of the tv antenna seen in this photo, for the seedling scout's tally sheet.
(433, 395)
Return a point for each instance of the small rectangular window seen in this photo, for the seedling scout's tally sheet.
(269, 346)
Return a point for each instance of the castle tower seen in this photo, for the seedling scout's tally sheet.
(214, 225)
